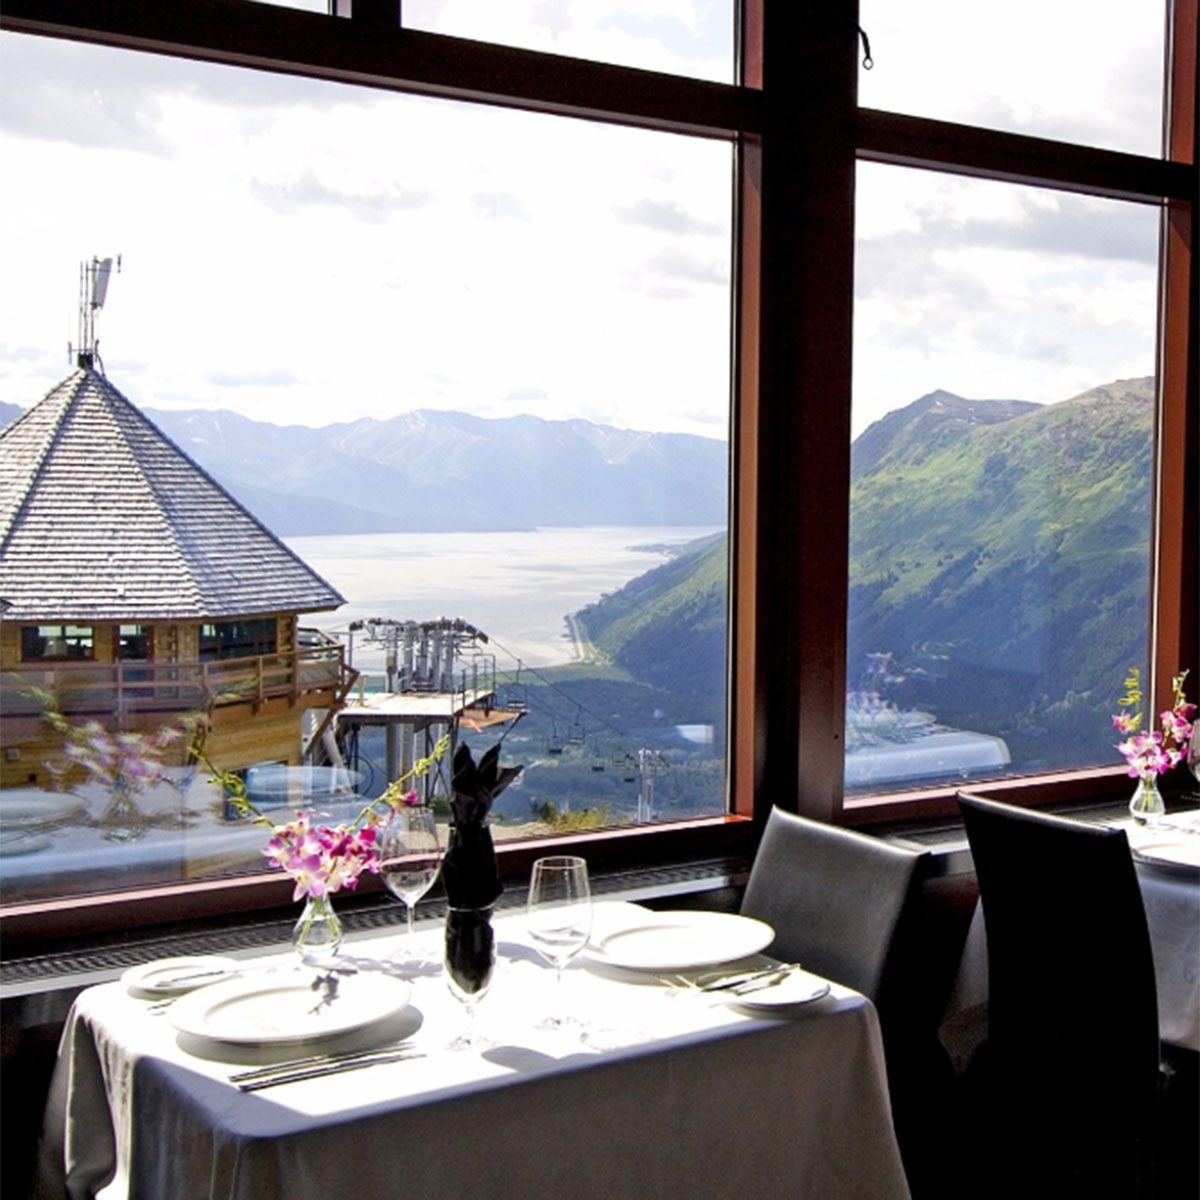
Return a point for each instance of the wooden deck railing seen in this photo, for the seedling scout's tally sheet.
(129, 688)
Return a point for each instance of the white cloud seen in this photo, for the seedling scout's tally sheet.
(1076, 70)
(386, 252)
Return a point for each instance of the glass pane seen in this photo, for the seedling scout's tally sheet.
(692, 39)
(1073, 70)
(470, 366)
(1000, 505)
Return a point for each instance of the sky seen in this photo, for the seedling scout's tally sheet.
(306, 253)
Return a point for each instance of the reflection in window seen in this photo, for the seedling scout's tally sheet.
(1001, 467)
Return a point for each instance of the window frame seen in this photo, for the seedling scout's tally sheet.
(794, 118)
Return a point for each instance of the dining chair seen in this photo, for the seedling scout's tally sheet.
(1064, 1091)
(848, 906)
(833, 896)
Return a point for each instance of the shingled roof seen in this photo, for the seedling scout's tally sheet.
(103, 517)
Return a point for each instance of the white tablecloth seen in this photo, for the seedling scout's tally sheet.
(685, 1096)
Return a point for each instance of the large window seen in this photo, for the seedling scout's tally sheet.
(458, 320)
(471, 364)
(1002, 472)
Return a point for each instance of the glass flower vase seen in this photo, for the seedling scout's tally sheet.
(317, 935)
(1147, 800)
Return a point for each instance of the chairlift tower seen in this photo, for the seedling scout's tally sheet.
(433, 680)
(650, 763)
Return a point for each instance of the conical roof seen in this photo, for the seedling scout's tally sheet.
(103, 517)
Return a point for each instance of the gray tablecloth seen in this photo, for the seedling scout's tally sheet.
(675, 1094)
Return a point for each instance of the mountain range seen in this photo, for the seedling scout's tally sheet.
(429, 470)
(999, 551)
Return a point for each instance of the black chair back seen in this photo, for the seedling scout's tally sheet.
(1068, 1082)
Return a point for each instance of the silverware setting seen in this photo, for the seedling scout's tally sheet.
(738, 984)
(191, 977)
(316, 1066)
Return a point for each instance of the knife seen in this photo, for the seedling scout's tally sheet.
(315, 1060)
(251, 1082)
(736, 981)
(174, 981)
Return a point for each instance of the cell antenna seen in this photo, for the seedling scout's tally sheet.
(93, 289)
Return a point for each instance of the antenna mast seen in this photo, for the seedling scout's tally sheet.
(93, 288)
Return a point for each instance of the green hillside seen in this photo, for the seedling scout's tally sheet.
(667, 627)
(999, 552)
(1007, 570)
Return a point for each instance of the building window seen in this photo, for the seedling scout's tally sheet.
(135, 643)
(50, 643)
(237, 639)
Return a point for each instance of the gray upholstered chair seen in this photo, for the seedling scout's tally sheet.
(835, 897)
(849, 907)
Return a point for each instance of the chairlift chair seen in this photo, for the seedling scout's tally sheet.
(575, 732)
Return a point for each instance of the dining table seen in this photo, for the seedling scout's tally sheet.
(664, 1079)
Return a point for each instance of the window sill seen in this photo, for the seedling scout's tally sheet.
(41, 927)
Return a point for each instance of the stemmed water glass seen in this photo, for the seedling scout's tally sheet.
(559, 918)
(410, 856)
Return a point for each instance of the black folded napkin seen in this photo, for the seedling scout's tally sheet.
(469, 864)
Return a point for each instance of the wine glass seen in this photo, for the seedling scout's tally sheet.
(559, 918)
(409, 858)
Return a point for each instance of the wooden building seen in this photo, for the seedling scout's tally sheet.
(136, 589)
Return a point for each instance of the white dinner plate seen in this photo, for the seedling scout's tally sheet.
(175, 976)
(25, 808)
(1182, 852)
(795, 988)
(679, 940)
(296, 1007)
